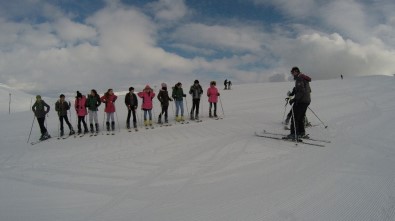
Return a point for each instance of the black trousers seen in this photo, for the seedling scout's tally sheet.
(195, 105)
(215, 108)
(299, 110)
(41, 123)
(130, 112)
(81, 119)
(164, 111)
(65, 118)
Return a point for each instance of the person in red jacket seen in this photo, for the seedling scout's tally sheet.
(147, 95)
(80, 108)
(109, 99)
(212, 93)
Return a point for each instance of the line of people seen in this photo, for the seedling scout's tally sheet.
(89, 106)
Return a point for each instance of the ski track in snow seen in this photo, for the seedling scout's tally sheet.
(216, 169)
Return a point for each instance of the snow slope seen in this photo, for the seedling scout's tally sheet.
(20, 101)
(217, 169)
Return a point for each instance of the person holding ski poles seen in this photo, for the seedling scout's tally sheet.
(131, 103)
(39, 111)
(178, 95)
(300, 102)
(61, 106)
(212, 94)
(163, 97)
(289, 115)
(80, 108)
(109, 99)
(147, 95)
(196, 91)
(92, 103)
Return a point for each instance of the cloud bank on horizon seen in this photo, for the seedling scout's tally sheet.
(69, 46)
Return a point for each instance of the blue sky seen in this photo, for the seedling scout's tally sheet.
(67, 45)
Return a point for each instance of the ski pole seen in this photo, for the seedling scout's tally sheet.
(220, 101)
(119, 127)
(294, 121)
(104, 117)
(318, 117)
(28, 139)
(186, 104)
(285, 108)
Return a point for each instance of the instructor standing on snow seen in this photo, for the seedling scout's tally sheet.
(300, 102)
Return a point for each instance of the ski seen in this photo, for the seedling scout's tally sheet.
(288, 140)
(39, 141)
(65, 137)
(305, 138)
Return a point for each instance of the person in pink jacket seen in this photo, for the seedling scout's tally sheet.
(109, 99)
(80, 108)
(147, 95)
(212, 93)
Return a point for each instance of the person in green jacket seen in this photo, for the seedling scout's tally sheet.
(92, 103)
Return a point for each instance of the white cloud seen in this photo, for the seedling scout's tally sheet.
(70, 31)
(220, 37)
(169, 10)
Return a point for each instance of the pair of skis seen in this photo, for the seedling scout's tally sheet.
(283, 137)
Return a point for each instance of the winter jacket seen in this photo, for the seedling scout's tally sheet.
(196, 91)
(109, 101)
(39, 108)
(62, 107)
(178, 93)
(131, 101)
(80, 107)
(93, 102)
(302, 89)
(163, 97)
(212, 93)
(147, 96)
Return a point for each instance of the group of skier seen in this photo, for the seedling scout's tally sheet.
(89, 106)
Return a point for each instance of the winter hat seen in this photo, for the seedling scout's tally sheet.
(79, 95)
(131, 89)
(62, 95)
(163, 85)
(196, 82)
(178, 84)
(295, 69)
(38, 97)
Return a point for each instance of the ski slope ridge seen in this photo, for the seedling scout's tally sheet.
(216, 169)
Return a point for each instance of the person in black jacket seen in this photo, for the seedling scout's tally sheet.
(61, 106)
(300, 102)
(196, 91)
(92, 103)
(163, 97)
(39, 111)
(131, 103)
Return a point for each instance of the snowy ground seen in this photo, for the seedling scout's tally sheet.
(214, 170)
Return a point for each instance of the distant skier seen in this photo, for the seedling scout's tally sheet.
(229, 84)
(178, 95)
(61, 106)
(92, 103)
(131, 103)
(212, 93)
(80, 108)
(226, 84)
(163, 97)
(147, 95)
(341, 76)
(196, 91)
(300, 102)
(109, 99)
(39, 111)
